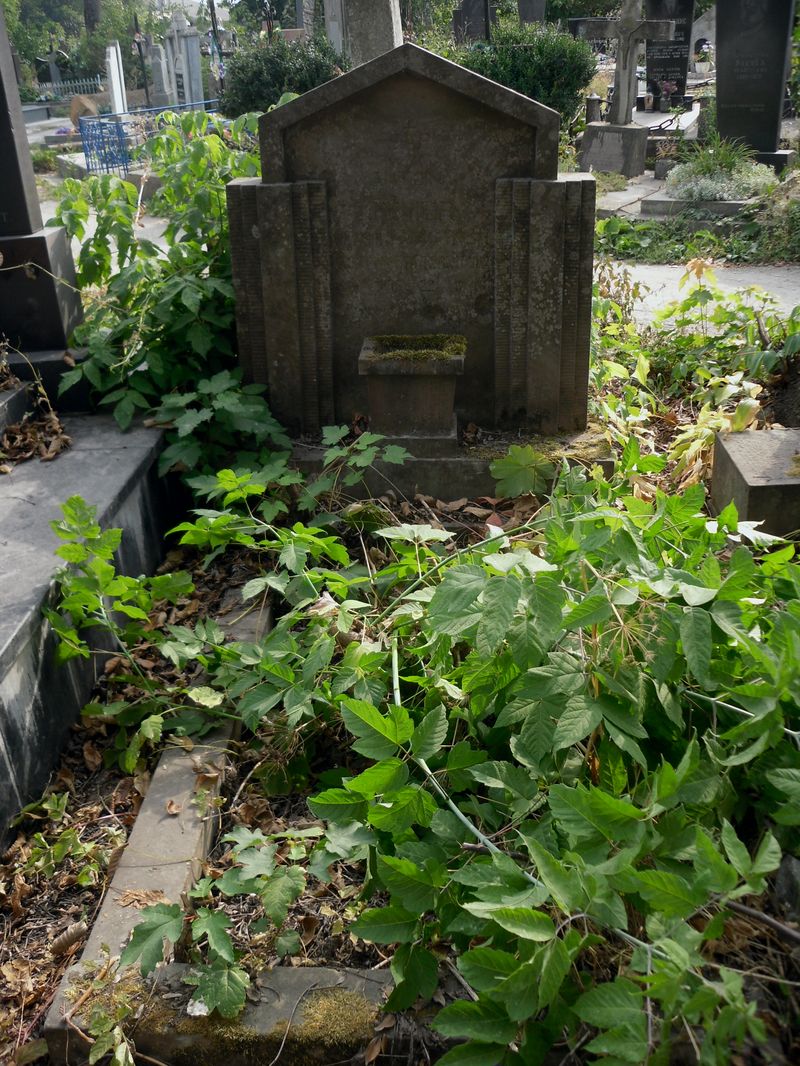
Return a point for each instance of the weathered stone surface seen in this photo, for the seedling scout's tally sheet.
(38, 699)
(469, 20)
(80, 106)
(753, 41)
(531, 10)
(413, 196)
(615, 149)
(669, 60)
(19, 201)
(372, 28)
(759, 470)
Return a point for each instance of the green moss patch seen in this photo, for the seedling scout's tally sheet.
(419, 346)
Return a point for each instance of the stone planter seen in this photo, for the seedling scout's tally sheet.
(411, 383)
(702, 68)
(664, 104)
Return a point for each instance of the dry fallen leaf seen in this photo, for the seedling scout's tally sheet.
(373, 1049)
(174, 808)
(141, 897)
(92, 756)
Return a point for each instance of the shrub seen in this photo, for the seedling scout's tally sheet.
(719, 170)
(551, 67)
(260, 74)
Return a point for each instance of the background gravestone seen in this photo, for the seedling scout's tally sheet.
(183, 49)
(669, 60)
(411, 196)
(469, 20)
(39, 306)
(753, 41)
(363, 29)
(531, 10)
(164, 91)
(116, 79)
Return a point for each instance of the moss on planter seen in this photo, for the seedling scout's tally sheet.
(418, 347)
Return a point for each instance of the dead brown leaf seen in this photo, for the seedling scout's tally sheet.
(92, 756)
(173, 808)
(141, 897)
(373, 1049)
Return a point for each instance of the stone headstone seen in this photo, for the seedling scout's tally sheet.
(17, 65)
(411, 196)
(704, 29)
(81, 106)
(116, 79)
(183, 52)
(469, 20)
(668, 61)
(39, 306)
(164, 93)
(531, 10)
(363, 29)
(753, 41)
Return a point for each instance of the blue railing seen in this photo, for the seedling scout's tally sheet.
(109, 140)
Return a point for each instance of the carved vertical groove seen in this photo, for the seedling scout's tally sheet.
(520, 287)
(246, 271)
(321, 251)
(546, 308)
(502, 297)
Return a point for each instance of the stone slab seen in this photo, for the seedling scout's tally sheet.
(38, 700)
(759, 470)
(779, 161)
(47, 367)
(13, 405)
(614, 149)
(39, 302)
(660, 205)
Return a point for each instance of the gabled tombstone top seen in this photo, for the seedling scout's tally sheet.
(280, 163)
(19, 201)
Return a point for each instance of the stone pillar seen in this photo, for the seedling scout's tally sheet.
(116, 79)
(39, 306)
(334, 24)
(189, 40)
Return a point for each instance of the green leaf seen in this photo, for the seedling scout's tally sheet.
(667, 893)
(339, 805)
(618, 1003)
(695, 630)
(485, 968)
(484, 1021)
(288, 943)
(580, 718)
(205, 696)
(164, 921)
(221, 987)
(525, 922)
(412, 886)
(588, 612)
(429, 736)
(498, 602)
(522, 471)
(452, 605)
(565, 885)
(738, 855)
(386, 925)
(398, 810)
(214, 926)
(280, 892)
(379, 735)
(583, 813)
(414, 534)
(473, 1054)
(518, 992)
(554, 963)
(383, 777)
(767, 858)
(416, 974)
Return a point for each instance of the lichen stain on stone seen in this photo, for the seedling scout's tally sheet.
(794, 466)
(335, 1019)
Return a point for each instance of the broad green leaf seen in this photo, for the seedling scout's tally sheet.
(667, 893)
(453, 604)
(695, 630)
(386, 925)
(379, 735)
(498, 602)
(768, 856)
(429, 736)
(525, 922)
(472, 1054)
(564, 884)
(483, 1021)
(412, 886)
(738, 855)
(588, 612)
(618, 1003)
(584, 812)
(519, 993)
(553, 963)
(164, 921)
(382, 777)
(205, 696)
(410, 805)
(220, 986)
(280, 892)
(414, 534)
(339, 805)
(214, 926)
(484, 968)
(580, 718)
(416, 975)
(522, 471)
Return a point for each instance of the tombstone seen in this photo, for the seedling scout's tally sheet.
(17, 65)
(669, 60)
(412, 197)
(183, 51)
(704, 29)
(164, 91)
(619, 145)
(363, 29)
(469, 21)
(753, 50)
(531, 10)
(39, 307)
(116, 79)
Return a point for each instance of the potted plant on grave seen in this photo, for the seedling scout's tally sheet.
(668, 90)
(702, 60)
(411, 382)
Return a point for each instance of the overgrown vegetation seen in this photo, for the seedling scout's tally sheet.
(259, 74)
(716, 169)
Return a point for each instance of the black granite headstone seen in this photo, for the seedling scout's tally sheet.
(668, 61)
(39, 306)
(531, 10)
(469, 20)
(753, 40)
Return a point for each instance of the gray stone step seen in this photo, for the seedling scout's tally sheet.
(48, 367)
(116, 473)
(13, 405)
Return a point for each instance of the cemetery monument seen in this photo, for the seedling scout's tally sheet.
(620, 145)
(753, 52)
(363, 29)
(39, 306)
(531, 10)
(668, 60)
(116, 79)
(408, 201)
(469, 20)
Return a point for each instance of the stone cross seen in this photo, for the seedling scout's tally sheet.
(630, 31)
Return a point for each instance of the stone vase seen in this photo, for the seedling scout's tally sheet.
(411, 383)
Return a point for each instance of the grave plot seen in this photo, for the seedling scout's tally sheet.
(483, 777)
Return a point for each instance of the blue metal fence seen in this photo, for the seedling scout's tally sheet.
(109, 140)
